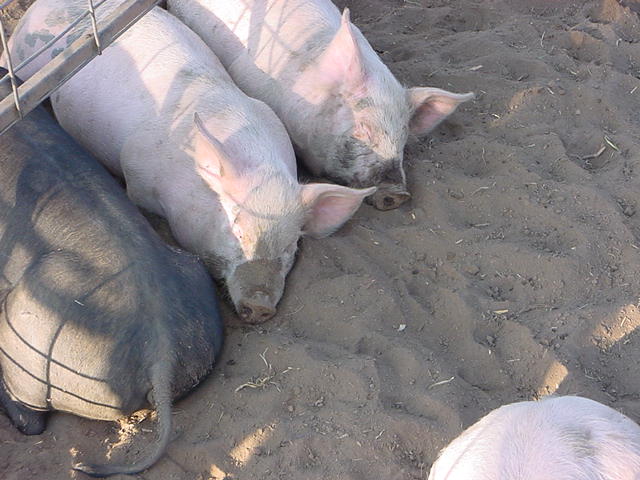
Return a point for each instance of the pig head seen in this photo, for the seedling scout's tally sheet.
(266, 211)
(360, 117)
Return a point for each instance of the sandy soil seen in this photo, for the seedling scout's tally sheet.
(510, 275)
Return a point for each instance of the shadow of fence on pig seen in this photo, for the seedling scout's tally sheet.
(59, 246)
(79, 266)
(271, 74)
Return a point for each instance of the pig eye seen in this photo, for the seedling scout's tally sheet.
(235, 226)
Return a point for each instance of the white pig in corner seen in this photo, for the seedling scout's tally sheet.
(559, 438)
(348, 116)
(158, 108)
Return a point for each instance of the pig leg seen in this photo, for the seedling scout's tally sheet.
(27, 420)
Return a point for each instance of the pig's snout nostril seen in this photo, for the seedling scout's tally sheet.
(245, 312)
(255, 312)
(389, 202)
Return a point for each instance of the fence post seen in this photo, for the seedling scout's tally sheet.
(94, 24)
(12, 76)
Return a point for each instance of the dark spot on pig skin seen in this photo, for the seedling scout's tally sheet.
(62, 16)
(313, 47)
(41, 35)
(343, 167)
(392, 174)
(348, 150)
(72, 38)
(580, 440)
(363, 103)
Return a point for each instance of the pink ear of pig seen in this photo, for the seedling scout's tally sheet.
(431, 106)
(213, 164)
(330, 206)
(341, 64)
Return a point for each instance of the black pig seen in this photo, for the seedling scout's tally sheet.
(98, 316)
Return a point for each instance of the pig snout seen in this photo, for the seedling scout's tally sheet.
(256, 309)
(388, 197)
(255, 288)
(392, 189)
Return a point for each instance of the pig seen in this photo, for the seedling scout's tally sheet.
(564, 438)
(347, 115)
(159, 109)
(99, 317)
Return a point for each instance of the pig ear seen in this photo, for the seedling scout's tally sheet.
(341, 65)
(212, 162)
(431, 106)
(330, 206)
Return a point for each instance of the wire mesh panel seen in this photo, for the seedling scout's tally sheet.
(28, 96)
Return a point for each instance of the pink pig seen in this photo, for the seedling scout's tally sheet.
(159, 109)
(559, 438)
(348, 116)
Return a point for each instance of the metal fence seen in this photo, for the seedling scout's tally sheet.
(26, 97)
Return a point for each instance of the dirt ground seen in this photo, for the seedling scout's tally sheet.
(511, 275)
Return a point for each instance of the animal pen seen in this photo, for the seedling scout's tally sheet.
(27, 96)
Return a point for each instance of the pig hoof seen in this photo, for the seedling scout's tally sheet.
(251, 312)
(28, 421)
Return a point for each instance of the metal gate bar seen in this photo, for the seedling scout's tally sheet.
(50, 42)
(11, 74)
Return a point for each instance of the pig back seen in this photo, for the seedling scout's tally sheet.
(269, 32)
(573, 437)
(55, 196)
